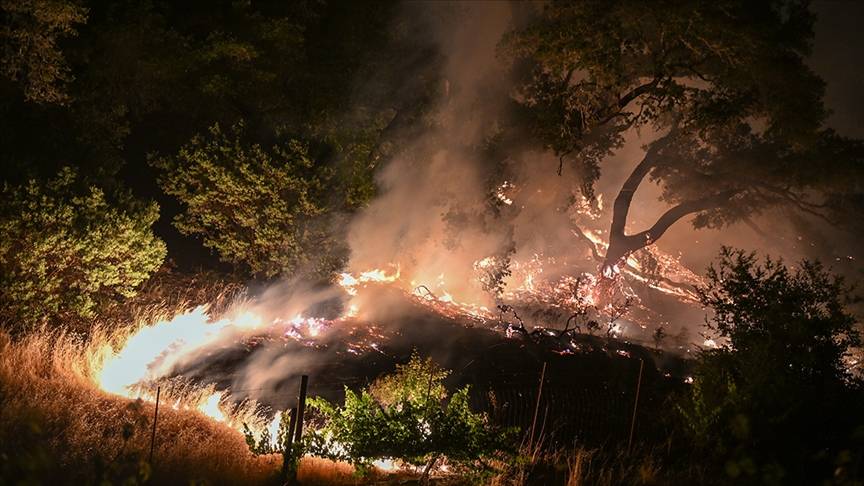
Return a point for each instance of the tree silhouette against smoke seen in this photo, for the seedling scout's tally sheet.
(738, 113)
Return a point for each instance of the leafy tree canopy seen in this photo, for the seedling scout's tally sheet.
(725, 85)
(66, 250)
(29, 33)
(345, 80)
(295, 69)
(258, 208)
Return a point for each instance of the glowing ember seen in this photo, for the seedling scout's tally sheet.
(501, 193)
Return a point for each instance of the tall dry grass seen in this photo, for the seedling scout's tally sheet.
(58, 427)
(54, 418)
(611, 465)
(86, 434)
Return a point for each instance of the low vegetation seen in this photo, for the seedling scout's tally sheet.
(408, 416)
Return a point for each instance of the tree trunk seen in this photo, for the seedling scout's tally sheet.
(424, 479)
(621, 245)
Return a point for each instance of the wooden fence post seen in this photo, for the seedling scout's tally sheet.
(301, 408)
(153, 432)
(288, 447)
(295, 432)
(537, 405)
(635, 405)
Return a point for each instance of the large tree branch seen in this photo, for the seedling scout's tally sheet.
(671, 216)
(621, 206)
(638, 91)
(621, 245)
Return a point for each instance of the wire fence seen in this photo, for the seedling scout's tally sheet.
(585, 398)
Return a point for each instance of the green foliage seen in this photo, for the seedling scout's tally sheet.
(29, 33)
(407, 416)
(66, 251)
(417, 381)
(777, 400)
(261, 209)
(797, 314)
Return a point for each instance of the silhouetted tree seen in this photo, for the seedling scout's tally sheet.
(737, 111)
(776, 403)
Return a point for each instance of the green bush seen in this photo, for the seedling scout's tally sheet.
(776, 402)
(263, 210)
(407, 416)
(66, 251)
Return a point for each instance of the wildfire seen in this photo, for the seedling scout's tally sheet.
(350, 282)
(153, 352)
(150, 354)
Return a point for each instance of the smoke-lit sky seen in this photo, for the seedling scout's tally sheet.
(838, 55)
(406, 214)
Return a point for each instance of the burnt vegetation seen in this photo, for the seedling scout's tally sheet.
(157, 156)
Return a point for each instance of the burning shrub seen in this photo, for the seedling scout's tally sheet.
(407, 416)
(262, 209)
(66, 251)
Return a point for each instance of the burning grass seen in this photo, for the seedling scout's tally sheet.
(58, 415)
(58, 425)
(87, 435)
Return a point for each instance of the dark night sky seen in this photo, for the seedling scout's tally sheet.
(837, 56)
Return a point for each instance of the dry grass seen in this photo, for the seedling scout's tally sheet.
(88, 434)
(56, 425)
(608, 466)
(315, 471)
(169, 293)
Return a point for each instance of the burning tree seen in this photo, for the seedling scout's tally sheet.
(737, 112)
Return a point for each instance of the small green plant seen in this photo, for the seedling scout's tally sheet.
(407, 416)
